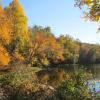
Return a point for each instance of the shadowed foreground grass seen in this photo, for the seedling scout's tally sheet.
(33, 83)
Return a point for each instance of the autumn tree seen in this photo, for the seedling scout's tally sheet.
(84, 49)
(5, 37)
(45, 49)
(92, 11)
(91, 56)
(71, 48)
(89, 53)
(20, 36)
(45, 30)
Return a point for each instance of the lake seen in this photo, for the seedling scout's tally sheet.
(53, 76)
(95, 82)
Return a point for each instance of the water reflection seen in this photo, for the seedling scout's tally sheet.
(54, 76)
(94, 83)
(95, 69)
(51, 76)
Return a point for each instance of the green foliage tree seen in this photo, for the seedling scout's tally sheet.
(83, 54)
(91, 56)
(45, 30)
(71, 48)
(74, 88)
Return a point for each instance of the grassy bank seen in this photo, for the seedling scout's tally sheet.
(34, 83)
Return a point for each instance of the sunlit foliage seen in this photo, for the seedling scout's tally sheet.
(5, 37)
(45, 49)
(19, 27)
(74, 88)
(91, 11)
(71, 48)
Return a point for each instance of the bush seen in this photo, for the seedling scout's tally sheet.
(19, 83)
(74, 88)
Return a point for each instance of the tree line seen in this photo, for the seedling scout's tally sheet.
(37, 45)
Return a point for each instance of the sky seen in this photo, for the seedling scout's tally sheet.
(61, 16)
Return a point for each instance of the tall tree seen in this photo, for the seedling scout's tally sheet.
(5, 37)
(19, 27)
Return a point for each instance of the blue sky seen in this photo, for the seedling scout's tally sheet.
(61, 16)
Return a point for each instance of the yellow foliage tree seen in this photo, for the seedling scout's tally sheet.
(93, 9)
(93, 12)
(19, 27)
(5, 29)
(4, 57)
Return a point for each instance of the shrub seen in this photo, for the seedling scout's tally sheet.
(74, 88)
(19, 83)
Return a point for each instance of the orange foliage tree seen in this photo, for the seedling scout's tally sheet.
(45, 49)
(5, 29)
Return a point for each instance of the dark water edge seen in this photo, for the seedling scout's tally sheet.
(56, 74)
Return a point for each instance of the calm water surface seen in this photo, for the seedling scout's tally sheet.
(55, 75)
(95, 82)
